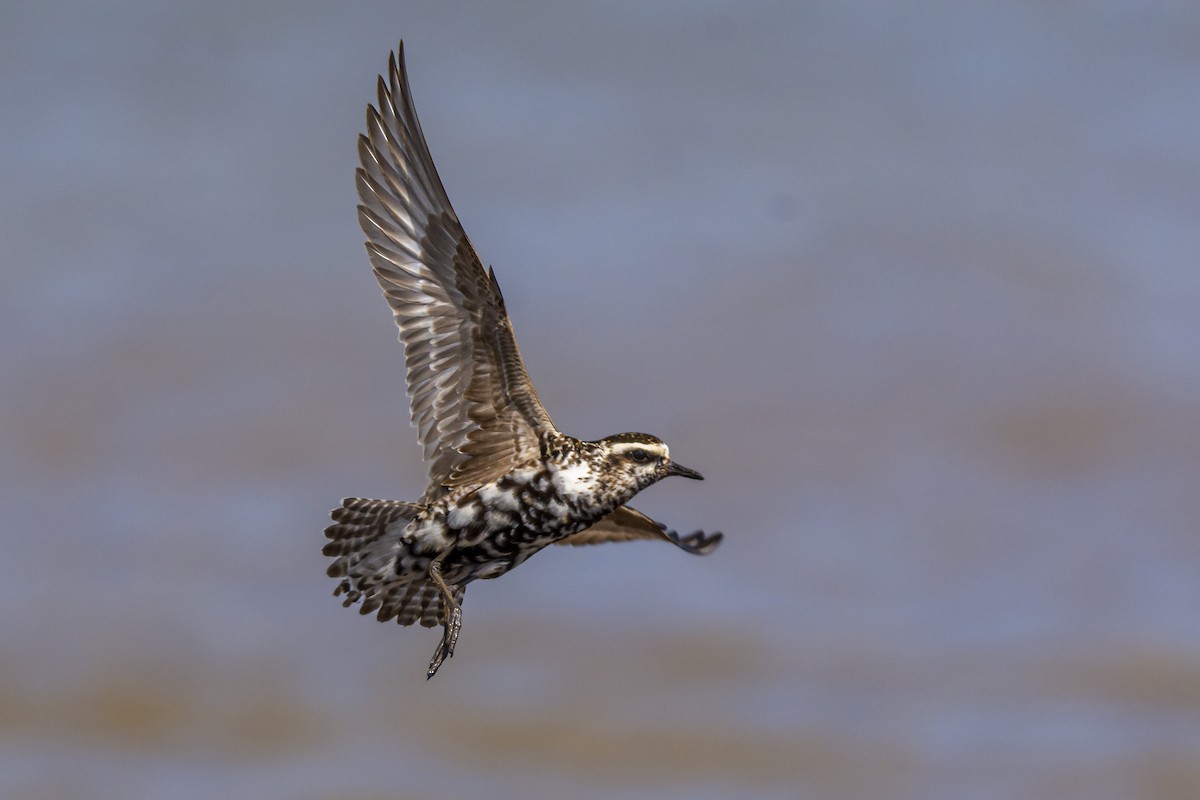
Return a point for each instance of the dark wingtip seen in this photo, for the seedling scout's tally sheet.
(698, 543)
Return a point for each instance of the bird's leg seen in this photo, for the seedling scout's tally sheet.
(452, 621)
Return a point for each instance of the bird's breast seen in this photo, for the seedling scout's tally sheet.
(542, 501)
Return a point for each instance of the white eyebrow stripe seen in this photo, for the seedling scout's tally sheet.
(649, 447)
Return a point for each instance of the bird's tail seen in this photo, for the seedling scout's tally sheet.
(365, 542)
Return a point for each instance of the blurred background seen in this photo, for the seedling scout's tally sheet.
(916, 286)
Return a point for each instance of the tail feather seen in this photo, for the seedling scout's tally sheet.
(366, 543)
(425, 605)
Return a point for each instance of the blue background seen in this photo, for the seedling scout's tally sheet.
(916, 286)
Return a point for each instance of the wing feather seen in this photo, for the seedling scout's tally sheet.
(476, 412)
(627, 525)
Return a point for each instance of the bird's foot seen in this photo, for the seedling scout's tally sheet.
(449, 639)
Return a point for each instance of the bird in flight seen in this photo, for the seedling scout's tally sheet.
(504, 482)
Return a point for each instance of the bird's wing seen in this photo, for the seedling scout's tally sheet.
(626, 525)
(475, 409)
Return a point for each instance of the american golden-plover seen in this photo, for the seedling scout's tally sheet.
(504, 482)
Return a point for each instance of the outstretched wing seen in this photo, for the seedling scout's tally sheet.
(476, 412)
(626, 525)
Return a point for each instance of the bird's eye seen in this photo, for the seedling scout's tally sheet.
(639, 455)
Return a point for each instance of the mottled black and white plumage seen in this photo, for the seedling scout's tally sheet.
(504, 482)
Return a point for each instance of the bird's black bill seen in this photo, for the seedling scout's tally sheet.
(684, 472)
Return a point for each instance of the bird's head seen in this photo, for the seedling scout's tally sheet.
(643, 458)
